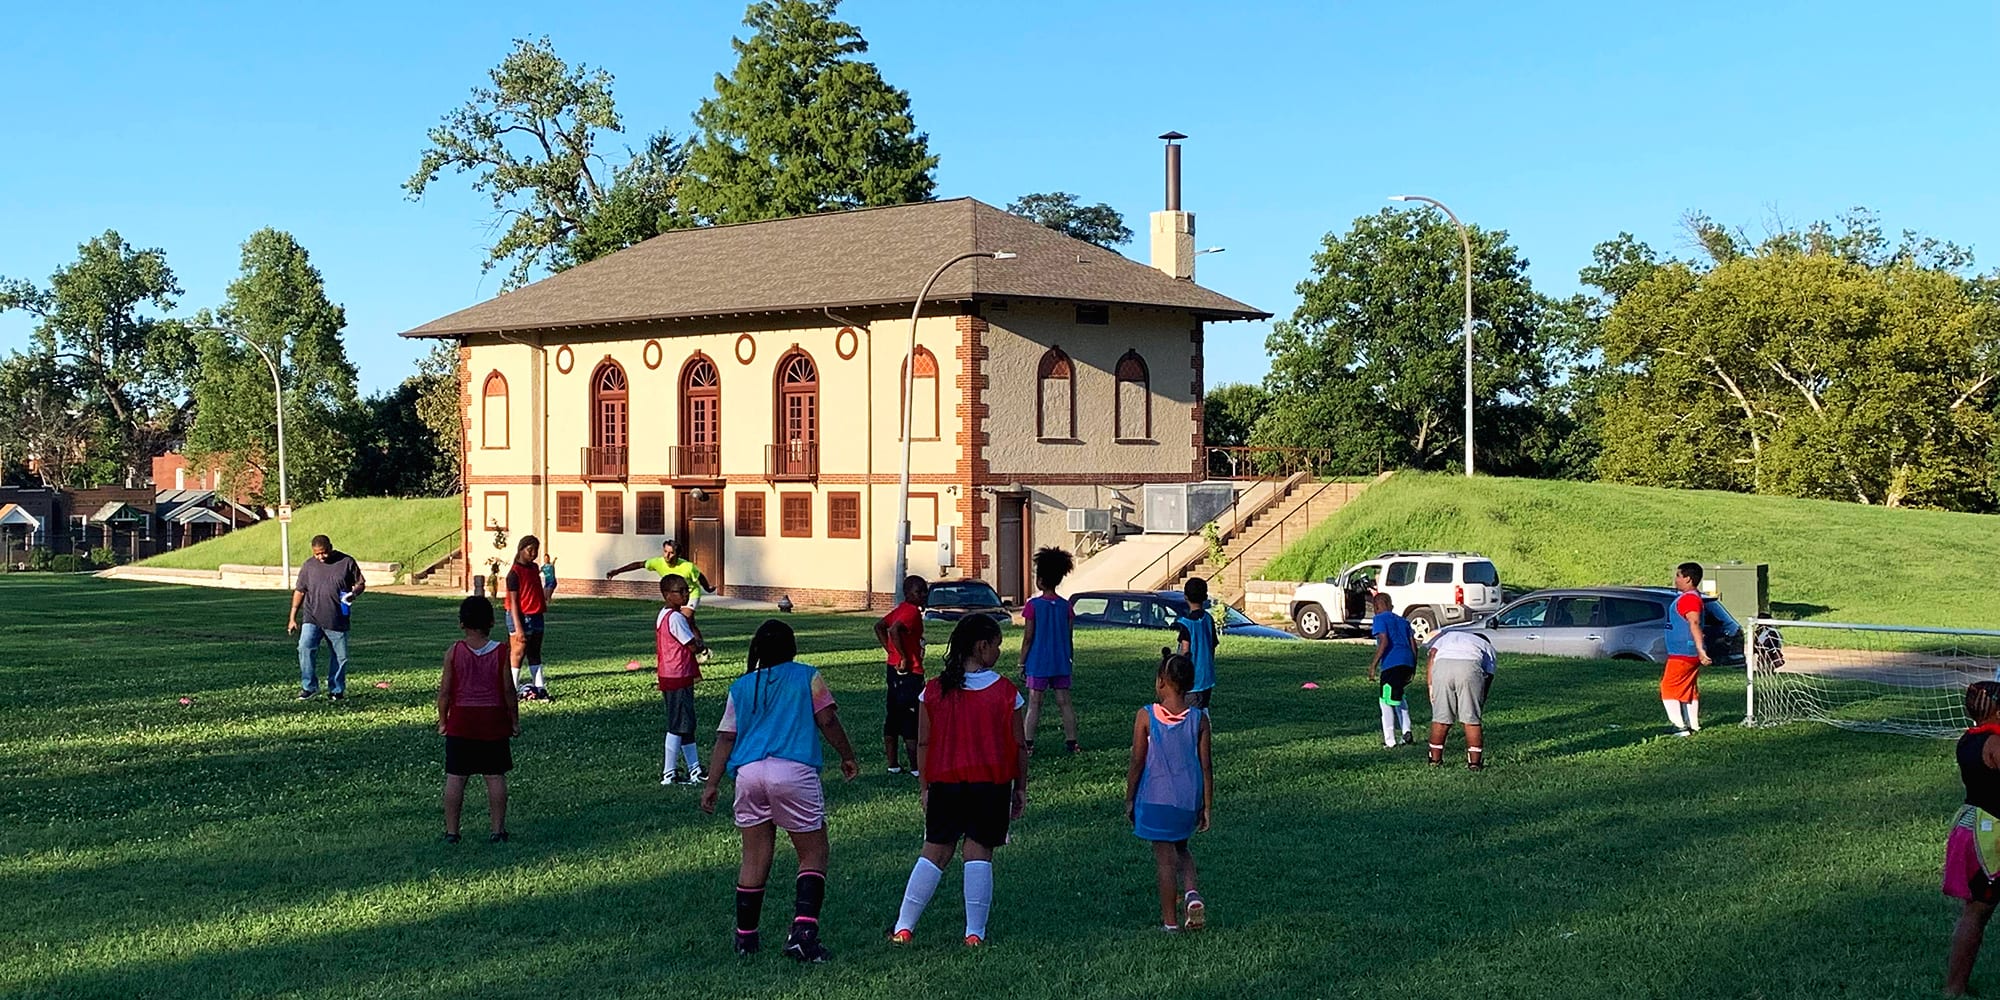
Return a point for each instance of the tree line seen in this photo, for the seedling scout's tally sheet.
(1829, 360)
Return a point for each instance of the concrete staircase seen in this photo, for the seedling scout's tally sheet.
(447, 572)
(1248, 551)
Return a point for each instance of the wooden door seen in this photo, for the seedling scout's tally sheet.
(700, 531)
(1012, 540)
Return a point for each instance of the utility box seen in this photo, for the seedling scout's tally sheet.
(1183, 508)
(1743, 588)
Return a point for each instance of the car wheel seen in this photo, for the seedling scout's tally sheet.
(1423, 624)
(1311, 620)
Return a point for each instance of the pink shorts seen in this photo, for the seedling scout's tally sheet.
(784, 792)
(1058, 682)
(1964, 877)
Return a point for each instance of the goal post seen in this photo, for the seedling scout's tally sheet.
(1903, 679)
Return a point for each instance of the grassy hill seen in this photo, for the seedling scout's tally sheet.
(372, 529)
(1831, 561)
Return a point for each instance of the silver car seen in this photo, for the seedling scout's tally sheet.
(1605, 623)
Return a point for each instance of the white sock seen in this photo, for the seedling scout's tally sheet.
(536, 669)
(917, 894)
(1388, 723)
(978, 896)
(691, 756)
(517, 678)
(1403, 716)
(673, 752)
(1694, 714)
(1674, 716)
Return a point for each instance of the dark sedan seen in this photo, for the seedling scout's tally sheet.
(1157, 610)
(955, 599)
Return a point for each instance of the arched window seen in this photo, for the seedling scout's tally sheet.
(1055, 399)
(701, 419)
(1133, 407)
(493, 412)
(797, 451)
(923, 396)
(608, 416)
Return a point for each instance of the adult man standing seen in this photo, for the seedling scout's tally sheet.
(1687, 653)
(669, 563)
(1458, 673)
(1394, 665)
(328, 584)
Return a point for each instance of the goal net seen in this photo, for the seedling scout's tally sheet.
(1875, 678)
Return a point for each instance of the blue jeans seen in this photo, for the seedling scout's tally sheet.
(336, 679)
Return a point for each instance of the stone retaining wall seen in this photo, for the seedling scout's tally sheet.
(1269, 600)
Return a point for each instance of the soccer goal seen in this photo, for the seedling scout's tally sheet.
(1876, 678)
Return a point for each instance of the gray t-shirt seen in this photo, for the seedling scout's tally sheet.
(322, 583)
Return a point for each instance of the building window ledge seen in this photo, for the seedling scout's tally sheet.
(1136, 441)
(1060, 440)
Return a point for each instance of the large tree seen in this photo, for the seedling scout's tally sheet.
(128, 368)
(1371, 365)
(1061, 211)
(279, 303)
(802, 125)
(1827, 362)
(531, 141)
(45, 434)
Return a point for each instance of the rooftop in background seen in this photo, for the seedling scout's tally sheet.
(865, 257)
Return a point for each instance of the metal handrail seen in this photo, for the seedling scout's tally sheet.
(1279, 528)
(413, 564)
(1241, 519)
(1291, 461)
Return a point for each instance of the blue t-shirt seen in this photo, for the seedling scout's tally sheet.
(1197, 628)
(1402, 651)
(1053, 651)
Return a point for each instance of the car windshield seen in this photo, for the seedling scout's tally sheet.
(962, 595)
(1231, 616)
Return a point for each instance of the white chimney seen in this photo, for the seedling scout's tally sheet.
(1173, 229)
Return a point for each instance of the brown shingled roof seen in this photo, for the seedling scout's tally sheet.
(867, 257)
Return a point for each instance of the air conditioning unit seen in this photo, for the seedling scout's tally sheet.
(1182, 508)
(1089, 520)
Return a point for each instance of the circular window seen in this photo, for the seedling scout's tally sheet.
(565, 359)
(652, 354)
(845, 343)
(746, 349)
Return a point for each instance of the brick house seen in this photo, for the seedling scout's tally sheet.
(740, 387)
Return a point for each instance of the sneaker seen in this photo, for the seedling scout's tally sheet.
(748, 943)
(1407, 738)
(696, 775)
(542, 694)
(1682, 733)
(900, 938)
(672, 778)
(974, 941)
(451, 838)
(336, 697)
(498, 838)
(806, 948)
(1170, 928)
(895, 770)
(308, 695)
(1197, 912)
(1070, 746)
(913, 772)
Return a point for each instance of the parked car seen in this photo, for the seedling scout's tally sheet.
(954, 599)
(1431, 589)
(1149, 609)
(1608, 623)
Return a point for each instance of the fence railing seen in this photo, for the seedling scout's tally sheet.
(695, 461)
(793, 460)
(1178, 560)
(420, 560)
(1256, 462)
(606, 463)
(1282, 530)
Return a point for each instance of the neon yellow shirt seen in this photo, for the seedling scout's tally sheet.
(681, 568)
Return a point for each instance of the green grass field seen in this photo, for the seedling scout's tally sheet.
(1830, 561)
(252, 846)
(373, 529)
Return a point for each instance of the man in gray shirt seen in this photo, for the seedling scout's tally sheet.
(328, 584)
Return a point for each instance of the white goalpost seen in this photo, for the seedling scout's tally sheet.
(1902, 679)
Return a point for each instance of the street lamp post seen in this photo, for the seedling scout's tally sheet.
(1465, 239)
(284, 501)
(909, 380)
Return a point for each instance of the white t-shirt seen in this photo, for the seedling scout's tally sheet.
(1466, 644)
(980, 680)
(678, 628)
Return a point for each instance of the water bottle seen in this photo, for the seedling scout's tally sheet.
(346, 606)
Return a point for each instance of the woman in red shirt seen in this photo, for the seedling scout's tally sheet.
(970, 735)
(477, 713)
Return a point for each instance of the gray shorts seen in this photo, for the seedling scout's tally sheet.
(680, 712)
(1458, 692)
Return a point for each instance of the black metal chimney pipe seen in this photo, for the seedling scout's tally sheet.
(1173, 171)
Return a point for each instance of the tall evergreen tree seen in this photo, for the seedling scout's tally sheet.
(802, 125)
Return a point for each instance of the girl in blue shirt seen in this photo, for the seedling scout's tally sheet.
(1047, 648)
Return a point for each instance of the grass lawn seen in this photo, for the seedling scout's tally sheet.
(1831, 561)
(372, 529)
(253, 846)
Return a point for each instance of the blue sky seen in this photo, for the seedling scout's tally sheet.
(188, 126)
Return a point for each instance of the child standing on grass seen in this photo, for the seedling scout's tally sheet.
(901, 633)
(1169, 788)
(1199, 640)
(477, 715)
(527, 607)
(1394, 667)
(676, 645)
(1047, 648)
(975, 775)
(769, 744)
(1972, 854)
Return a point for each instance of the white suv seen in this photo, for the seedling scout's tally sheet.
(1431, 589)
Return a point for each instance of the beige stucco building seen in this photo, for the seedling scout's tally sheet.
(739, 388)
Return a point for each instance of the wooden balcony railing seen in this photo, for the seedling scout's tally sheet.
(606, 463)
(695, 461)
(794, 460)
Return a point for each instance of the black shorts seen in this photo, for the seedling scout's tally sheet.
(465, 756)
(976, 811)
(1199, 699)
(1394, 680)
(680, 712)
(901, 719)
